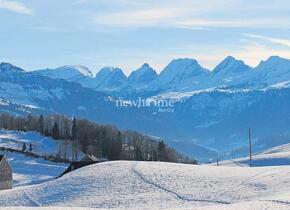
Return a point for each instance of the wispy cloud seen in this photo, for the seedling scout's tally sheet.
(284, 42)
(15, 6)
(191, 14)
(253, 54)
(234, 23)
(137, 18)
(181, 18)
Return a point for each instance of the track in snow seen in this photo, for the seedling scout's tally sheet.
(32, 200)
(175, 194)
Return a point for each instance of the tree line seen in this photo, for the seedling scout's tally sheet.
(91, 138)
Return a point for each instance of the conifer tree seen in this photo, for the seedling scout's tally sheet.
(55, 131)
(24, 147)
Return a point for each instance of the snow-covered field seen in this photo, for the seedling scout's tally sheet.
(275, 156)
(157, 185)
(28, 170)
(40, 144)
(145, 185)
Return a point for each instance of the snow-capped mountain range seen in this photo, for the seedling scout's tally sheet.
(212, 112)
(179, 75)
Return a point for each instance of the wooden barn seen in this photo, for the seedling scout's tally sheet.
(5, 174)
(87, 160)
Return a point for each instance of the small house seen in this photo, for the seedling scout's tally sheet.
(5, 174)
(86, 161)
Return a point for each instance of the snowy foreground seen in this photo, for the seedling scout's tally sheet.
(157, 185)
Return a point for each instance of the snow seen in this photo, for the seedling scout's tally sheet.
(15, 139)
(275, 156)
(110, 78)
(180, 74)
(230, 65)
(41, 145)
(159, 185)
(28, 170)
(181, 95)
(279, 85)
(69, 72)
(3, 102)
(8, 68)
(144, 74)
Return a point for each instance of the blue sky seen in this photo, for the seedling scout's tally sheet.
(127, 33)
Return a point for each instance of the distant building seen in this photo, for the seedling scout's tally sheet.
(5, 174)
(87, 160)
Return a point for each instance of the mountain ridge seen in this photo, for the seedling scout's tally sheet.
(184, 74)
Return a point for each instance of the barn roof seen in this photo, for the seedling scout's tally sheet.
(89, 158)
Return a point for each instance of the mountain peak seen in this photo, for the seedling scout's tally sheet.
(231, 65)
(144, 68)
(143, 74)
(110, 78)
(275, 59)
(273, 62)
(109, 69)
(145, 65)
(76, 68)
(183, 73)
(6, 67)
(183, 67)
(184, 61)
(230, 59)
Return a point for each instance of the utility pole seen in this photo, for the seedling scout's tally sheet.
(217, 161)
(250, 147)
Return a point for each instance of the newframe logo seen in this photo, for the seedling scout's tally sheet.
(163, 105)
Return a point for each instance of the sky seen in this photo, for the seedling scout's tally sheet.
(127, 33)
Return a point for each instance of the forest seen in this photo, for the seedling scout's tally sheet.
(103, 141)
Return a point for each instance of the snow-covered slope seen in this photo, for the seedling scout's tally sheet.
(274, 70)
(7, 68)
(16, 139)
(156, 185)
(110, 79)
(41, 145)
(28, 170)
(229, 70)
(141, 78)
(275, 156)
(70, 72)
(180, 74)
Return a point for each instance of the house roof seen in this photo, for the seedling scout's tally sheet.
(89, 158)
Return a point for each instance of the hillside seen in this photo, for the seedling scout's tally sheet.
(27, 169)
(41, 145)
(134, 185)
(275, 156)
